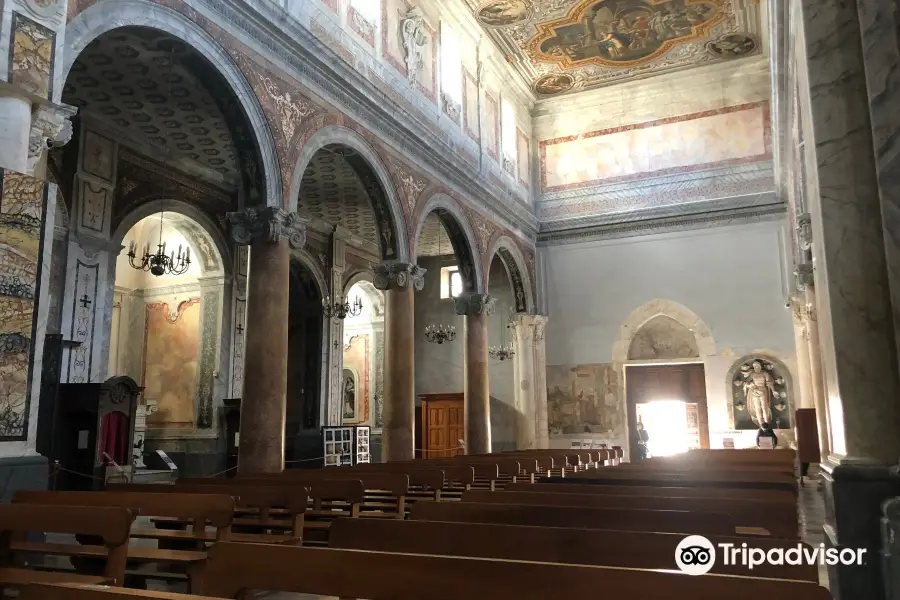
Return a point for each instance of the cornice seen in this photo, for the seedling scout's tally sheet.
(649, 226)
(288, 44)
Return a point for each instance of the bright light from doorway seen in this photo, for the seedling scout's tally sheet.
(666, 424)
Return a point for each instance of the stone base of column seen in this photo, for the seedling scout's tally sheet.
(854, 493)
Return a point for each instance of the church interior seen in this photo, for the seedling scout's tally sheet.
(473, 298)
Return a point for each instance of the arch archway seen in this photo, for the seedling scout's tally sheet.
(514, 263)
(375, 180)
(668, 308)
(461, 235)
(108, 15)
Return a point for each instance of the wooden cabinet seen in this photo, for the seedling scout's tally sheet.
(808, 450)
(443, 424)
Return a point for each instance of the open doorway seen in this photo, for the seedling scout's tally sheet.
(670, 401)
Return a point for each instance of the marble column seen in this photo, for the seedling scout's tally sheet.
(852, 285)
(816, 377)
(477, 308)
(523, 379)
(801, 345)
(542, 425)
(399, 281)
(271, 233)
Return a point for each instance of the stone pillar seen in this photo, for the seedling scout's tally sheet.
(334, 411)
(523, 379)
(399, 282)
(852, 285)
(271, 233)
(816, 377)
(542, 425)
(477, 308)
(801, 345)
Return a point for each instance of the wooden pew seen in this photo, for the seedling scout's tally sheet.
(288, 502)
(780, 521)
(634, 549)
(233, 568)
(669, 521)
(573, 486)
(109, 525)
(64, 591)
(199, 509)
(624, 476)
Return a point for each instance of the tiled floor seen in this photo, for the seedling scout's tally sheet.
(812, 517)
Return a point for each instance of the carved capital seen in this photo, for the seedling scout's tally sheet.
(450, 107)
(268, 223)
(804, 231)
(393, 275)
(475, 304)
(50, 128)
(803, 273)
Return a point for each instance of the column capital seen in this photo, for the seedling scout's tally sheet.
(475, 304)
(268, 223)
(393, 274)
(804, 275)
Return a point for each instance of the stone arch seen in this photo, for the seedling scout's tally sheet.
(681, 314)
(514, 263)
(108, 15)
(663, 337)
(375, 177)
(461, 235)
(197, 228)
(366, 279)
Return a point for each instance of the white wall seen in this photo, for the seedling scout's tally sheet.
(732, 277)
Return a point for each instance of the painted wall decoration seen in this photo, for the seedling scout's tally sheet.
(471, 106)
(760, 393)
(584, 399)
(733, 45)
(171, 357)
(734, 135)
(358, 362)
(524, 155)
(557, 83)
(503, 13)
(21, 211)
(492, 126)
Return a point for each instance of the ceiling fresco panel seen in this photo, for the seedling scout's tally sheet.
(562, 46)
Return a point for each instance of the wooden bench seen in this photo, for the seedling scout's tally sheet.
(671, 521)
(620, 476)
(575, 486)
(233, 568)
(778, 520)
(641, 550)
(289, 502)
(109, 525)
(199, 509)
(65, 591)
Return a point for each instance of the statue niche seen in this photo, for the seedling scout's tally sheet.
(349, 397)
(760, 393)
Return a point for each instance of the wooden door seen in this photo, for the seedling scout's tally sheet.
(646, 383)
(443, 425)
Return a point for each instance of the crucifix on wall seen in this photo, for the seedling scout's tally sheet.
(85, 301)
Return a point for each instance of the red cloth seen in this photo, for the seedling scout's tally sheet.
(114, 438)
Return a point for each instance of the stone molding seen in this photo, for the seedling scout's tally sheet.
(660, 306)
(394, 275)
(268, 224)
(50, 128)
(475, 304)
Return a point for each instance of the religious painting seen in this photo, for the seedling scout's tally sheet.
(556, 83)
(585, 399)
(171, 355)
(734, 135)
(622, 32)
(503, 13)
(21, 213)
(760, 393)
(470, 106)
(349, 398)
(492, 126)
(357, 360)
(734, 45)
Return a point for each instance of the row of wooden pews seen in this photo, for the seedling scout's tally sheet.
(536, 524)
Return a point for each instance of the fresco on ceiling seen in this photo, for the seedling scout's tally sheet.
(556, 83)
(734, 45)
(503, 13)
(622, 31)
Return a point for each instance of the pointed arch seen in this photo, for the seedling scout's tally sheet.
(675, 311)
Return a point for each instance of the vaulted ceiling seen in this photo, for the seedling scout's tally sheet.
(561, 46)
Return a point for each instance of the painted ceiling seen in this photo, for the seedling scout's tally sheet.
(154, 91)
(561, 46)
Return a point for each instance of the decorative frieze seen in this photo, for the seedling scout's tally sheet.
(398, 275)
(268, 223)
(475, 304)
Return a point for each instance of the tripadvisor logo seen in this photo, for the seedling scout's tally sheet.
(696, 555)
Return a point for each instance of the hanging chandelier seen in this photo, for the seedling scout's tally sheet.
(503, 351)
(438, 334)
(160, 263)
(341, 309)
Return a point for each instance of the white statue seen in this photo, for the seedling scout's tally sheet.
(413, 39)
(759, 386)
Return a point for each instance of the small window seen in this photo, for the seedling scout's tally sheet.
(451, 64)
(451, 282)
